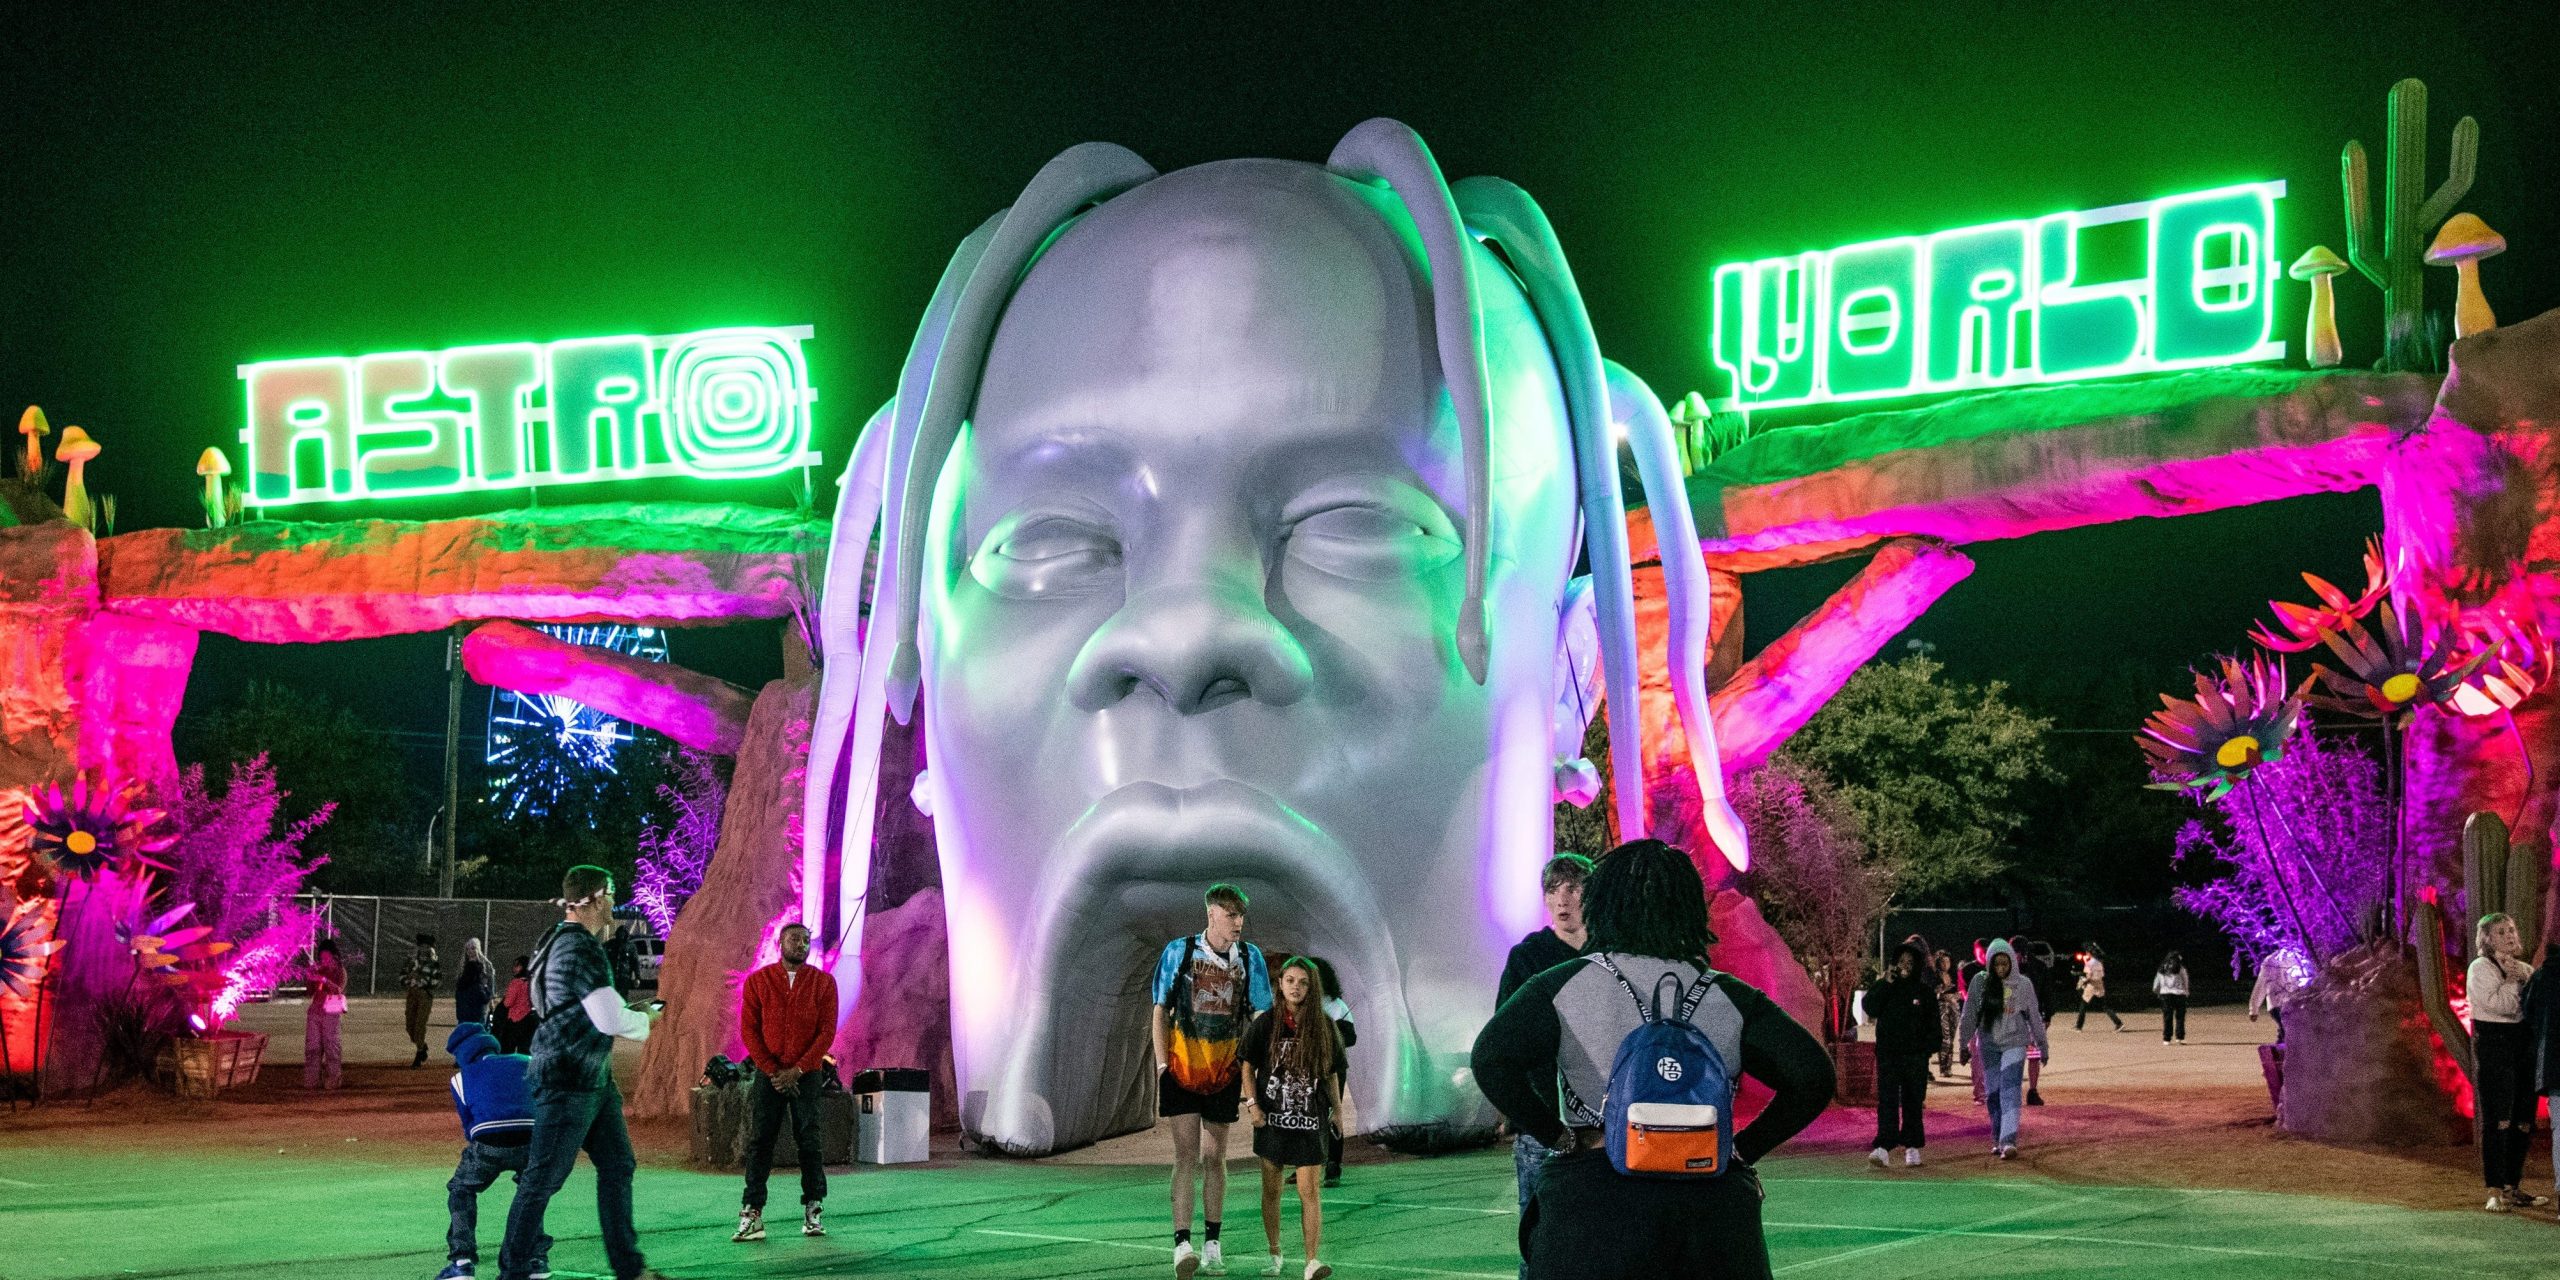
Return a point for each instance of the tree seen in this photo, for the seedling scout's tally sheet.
(324, 757)
(1937, 771)
(1811, 874)
(594, 816)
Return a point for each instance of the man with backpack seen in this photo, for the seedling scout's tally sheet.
(575, 1103)
(1625, 1064)
(494, 1102)
(1208, 987)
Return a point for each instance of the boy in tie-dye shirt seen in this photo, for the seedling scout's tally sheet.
(1207, 988)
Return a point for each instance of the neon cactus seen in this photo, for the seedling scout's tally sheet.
(2492, 882)
(2395, 261)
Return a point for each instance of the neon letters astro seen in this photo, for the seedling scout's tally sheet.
(2004, 304)
(721, 403)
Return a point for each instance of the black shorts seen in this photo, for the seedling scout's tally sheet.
(1216, 1108)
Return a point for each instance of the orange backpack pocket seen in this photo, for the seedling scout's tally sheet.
(1669, 1137)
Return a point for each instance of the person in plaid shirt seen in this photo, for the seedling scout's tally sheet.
(419, 982)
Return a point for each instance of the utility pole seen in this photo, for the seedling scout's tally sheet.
(452, 756)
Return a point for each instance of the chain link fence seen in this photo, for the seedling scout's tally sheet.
(375, 935)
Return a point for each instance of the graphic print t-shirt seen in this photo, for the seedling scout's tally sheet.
(1208, 1003)
(1290, 1100)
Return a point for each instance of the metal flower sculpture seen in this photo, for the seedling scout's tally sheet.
(88, 830)
(2515, 660)
(2300, 627)
(2239, 719)
(2398, 664)
(23, 948)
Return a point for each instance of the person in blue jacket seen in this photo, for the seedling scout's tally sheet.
(494, 1101)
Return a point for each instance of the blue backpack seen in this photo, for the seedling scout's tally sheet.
(1669, 1112)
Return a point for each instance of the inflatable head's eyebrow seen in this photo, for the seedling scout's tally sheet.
(1222, 697)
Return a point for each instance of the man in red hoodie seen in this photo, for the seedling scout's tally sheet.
(788, 1023)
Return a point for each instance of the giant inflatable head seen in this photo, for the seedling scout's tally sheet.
(1229, 527)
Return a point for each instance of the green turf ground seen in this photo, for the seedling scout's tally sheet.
(75, 1208)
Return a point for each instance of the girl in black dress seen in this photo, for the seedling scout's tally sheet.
(1292, 1088)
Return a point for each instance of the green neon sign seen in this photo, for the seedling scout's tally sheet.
(721, 404)
(2004, 304)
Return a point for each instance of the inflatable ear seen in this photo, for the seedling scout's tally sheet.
(1578, 693)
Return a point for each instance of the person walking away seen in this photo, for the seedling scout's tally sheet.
(1561, 882)
(495, 1103)
(1292, 1089)
(514, 1021)
(788, 1020)
(472, 986)
(2170, 984)
(2002, 1023)
(1338, 1009)
(576, 1105)
(1904, 1005)
(2502, 1058)
(323, 1065)
(2093, 989)
(1207, 988)
(418, 983)
(1546, 1058)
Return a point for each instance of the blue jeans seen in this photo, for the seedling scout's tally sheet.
(2004, 1089)
(1528, 1155)
(566, 1121)
(479, 1167)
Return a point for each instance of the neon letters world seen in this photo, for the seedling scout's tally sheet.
(720, 403)
(2003, 304)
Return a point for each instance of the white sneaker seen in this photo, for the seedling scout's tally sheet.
(2497, 1203)
(1317, 1270)
(2008, 1153)
(1186, 1261)
(750, 1226)
(1271, 1265)
(1911, 1158)
(809, 1223)
(1213, 1259)
(1878, 1158)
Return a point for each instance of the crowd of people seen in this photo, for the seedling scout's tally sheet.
(1622, 960)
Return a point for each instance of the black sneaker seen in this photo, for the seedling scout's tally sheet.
(2034, 1099)
(809, 1224)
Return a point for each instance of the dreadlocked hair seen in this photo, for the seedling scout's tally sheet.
(1645, 898)
(1312, 1051)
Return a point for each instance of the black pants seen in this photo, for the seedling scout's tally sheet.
(1902, 1083)
(2503, 1055)
(1590, 1222)
(2099, 1003)
(771, 1105)
(480, 1166)
(2173, 1018)
(565, 1122)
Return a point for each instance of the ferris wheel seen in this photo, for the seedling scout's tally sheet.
(531, 736)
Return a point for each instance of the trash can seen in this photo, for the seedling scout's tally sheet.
(893, 1116)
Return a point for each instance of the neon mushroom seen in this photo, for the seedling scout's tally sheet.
(2320, 328)
(32, 425)
(76, 448)
(213, 466)
(2461, 244)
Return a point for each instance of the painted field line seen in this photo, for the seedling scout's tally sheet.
(1918, 1234)
(1166, 1252)
(1442, 1208)
(13, 1182)
(2030, 1237)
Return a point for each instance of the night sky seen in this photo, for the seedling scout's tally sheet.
(183, 190)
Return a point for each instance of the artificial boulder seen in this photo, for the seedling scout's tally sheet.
(703, 712)
(286, 582)
(748, 891)
(2359, 1065)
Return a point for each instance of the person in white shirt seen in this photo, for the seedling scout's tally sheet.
(2170, 984)
(2280, 977)
(2501, 1054)
(2093, 988)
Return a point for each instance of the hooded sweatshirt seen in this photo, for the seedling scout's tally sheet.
(490, 1093)
(2021, 1020)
